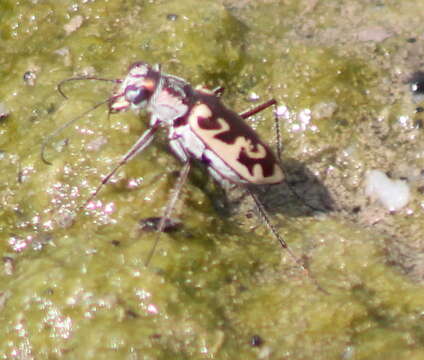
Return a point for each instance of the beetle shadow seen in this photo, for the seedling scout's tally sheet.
(301, 194)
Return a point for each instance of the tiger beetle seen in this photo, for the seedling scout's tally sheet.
(200, 127)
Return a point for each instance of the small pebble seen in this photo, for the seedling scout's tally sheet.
(4, 111)
(392, 194)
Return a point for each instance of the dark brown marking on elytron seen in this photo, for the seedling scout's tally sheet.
(267, 163)
(142, 95)
(237, 128)
(208, 123)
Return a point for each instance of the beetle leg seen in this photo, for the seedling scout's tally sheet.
(264, 214)
(141, 144)
(218, 91)
(257, 109)
(170, 207)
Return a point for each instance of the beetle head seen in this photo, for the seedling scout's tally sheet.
(136, 90)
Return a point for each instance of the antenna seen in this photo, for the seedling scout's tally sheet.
(56, 132)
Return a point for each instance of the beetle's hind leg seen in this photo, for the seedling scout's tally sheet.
(264, 215)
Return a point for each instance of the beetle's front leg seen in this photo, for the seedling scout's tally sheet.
(182, 179)
(143, 141)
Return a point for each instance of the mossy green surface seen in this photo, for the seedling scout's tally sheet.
(73, 283)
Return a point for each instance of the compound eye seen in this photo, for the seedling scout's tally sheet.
(141, 96)
(136, 95)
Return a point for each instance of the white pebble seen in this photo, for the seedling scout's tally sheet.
(392, 194)
(4, 111)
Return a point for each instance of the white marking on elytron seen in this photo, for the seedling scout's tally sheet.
(247, 143)
(220, 170)
(229, 153)
(183, 139)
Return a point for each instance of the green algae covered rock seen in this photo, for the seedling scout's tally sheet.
(73, 281)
